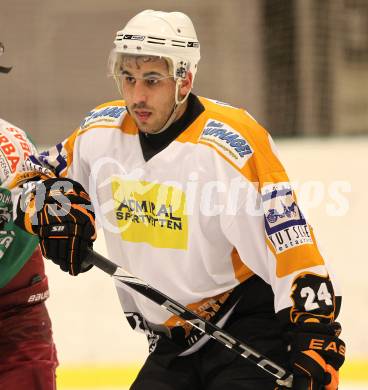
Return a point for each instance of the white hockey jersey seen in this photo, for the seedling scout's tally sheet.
(200, 217)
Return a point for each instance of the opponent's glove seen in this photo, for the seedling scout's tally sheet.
(59, 211)
(316, 356)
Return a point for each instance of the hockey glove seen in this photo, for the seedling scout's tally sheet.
(59, 211)
(316, 356)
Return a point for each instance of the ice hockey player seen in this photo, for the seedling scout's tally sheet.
(194, 200)
(28, 356)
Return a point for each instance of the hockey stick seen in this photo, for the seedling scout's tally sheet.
(283, 377)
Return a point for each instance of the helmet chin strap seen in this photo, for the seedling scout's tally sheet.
(176, 106)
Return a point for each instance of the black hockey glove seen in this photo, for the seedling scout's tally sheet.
(59, 211)
(316, 356)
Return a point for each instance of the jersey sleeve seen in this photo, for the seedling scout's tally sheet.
(274, 239)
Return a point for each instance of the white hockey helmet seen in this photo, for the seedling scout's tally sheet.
(170, 35)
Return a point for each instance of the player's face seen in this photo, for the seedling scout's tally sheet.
(149, 91)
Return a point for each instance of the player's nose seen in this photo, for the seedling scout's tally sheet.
(139, 93)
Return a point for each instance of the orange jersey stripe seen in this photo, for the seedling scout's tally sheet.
(241, 271)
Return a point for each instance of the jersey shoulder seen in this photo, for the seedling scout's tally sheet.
(106, 115)
(234, 134)
(15, 148)
(237, 118)
(95, 130)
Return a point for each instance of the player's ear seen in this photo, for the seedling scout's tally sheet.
(186, 84)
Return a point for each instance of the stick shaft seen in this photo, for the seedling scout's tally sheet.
(283, 376)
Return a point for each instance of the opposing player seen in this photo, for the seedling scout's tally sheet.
(28, 357)
(193, 200)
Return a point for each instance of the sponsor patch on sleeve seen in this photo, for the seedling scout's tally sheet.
(285, 224)
(15, 148)
(227, 141)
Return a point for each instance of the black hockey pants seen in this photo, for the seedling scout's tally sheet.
(214, 367)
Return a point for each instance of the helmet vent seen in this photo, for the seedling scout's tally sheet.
(178, 43)
(156, 40)
(159, 39)
(156, 43)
